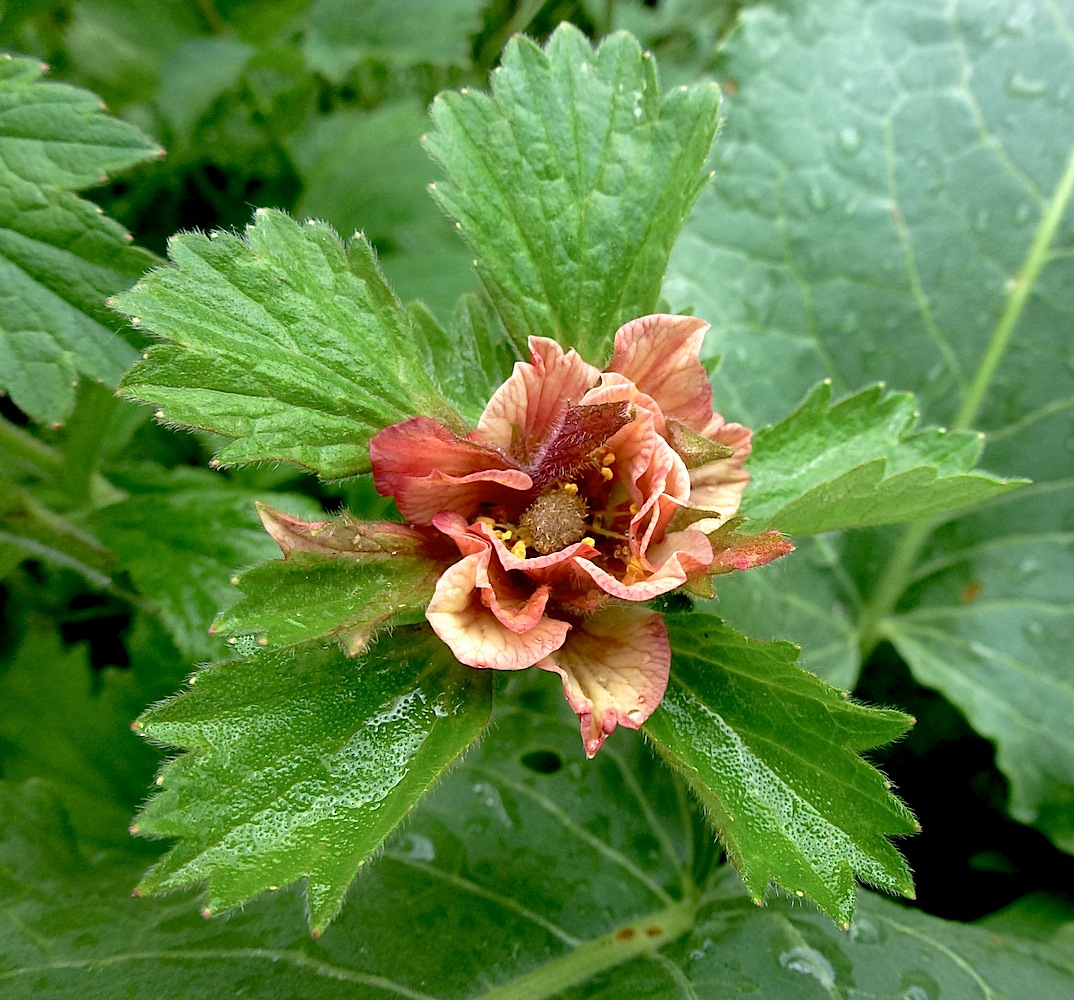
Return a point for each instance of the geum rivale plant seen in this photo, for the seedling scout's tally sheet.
(548, 514)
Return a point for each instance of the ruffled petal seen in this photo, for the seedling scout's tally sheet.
(682, 556)
(719, 486)
(527, 404)
(660, 355)
(427, 469)
(476, 637)
(614, 669)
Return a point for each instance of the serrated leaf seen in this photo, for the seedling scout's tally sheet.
(772, 754)
(285, 341)
(301, 763)
(344, 32)
(59, 256)
(552, 873)
(571, 181)
(861, 462)
(181, 536)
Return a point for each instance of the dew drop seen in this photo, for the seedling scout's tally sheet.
(817, 199)
(849, 140)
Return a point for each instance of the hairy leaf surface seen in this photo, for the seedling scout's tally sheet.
(571, 181)
(772, 754)
(284, 340)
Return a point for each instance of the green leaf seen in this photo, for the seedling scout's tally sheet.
(344, 32)
(772, 754)
(861, 462)
(59, 256)
(912, 227)
(571, 182)
(527, 876)
(301, 765)
(285, 341)
(181, 536)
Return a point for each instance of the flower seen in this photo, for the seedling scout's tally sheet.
(580, 495)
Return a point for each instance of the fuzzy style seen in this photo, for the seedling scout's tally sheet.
(580, 495)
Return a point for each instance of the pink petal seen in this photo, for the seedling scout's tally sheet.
(527, 403)
(475, 636)
(615, 670)
(659, 354)
(683, 555)
(719, 486)
(427, 469)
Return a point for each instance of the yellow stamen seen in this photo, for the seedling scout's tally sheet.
(608, 459)
(589, 541)
(633, 509)
(518, 550)
(570, 488)
(490, 521)
(506, 535)
(607, 473)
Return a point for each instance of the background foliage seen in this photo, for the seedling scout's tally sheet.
(891, 203)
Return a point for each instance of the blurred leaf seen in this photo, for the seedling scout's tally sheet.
(571, 182)
(300, 765)
(562, 879)
(344, 32)
(861, 462)
(893, 202)
(181, 536)
(772, 754)
(197, 73)
(286, 341)
(59, 256)
(365, 171)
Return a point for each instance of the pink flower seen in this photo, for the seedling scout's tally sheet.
(580, 494)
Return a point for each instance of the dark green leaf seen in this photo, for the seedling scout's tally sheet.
(300, 764)
(344, 32)
(772, 753)
(181, 536)
(861, 462)
(59, 256)
(285, 341)
(571, 182)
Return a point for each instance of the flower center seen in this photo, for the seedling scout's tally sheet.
(554, 520)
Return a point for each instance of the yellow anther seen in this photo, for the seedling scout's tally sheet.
(633, 509)
(518, 550)
(571, 489)
(490, 521)
(608, 459)
(506, 535)
(607, 473)
(589, 541)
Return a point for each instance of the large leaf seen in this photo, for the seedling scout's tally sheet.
(285, 340)
(528, 878)
(301, 765)
(59, 256)
(911, 225)
(571, 181)
(861, 462)
(772, 754)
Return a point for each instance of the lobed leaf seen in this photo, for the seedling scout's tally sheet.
(59, 256)
(300, 765)
(571, 181)
(772, 754)
(285, 341)
(861, 462)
